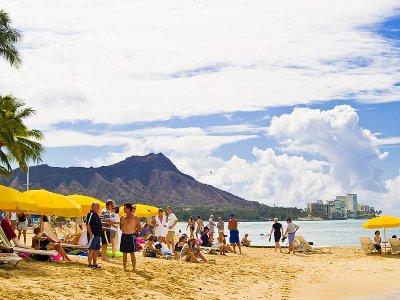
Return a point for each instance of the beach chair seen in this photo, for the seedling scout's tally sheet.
(51, 234)
(394, 245)
(6, 242)
(298, 246)
(311, 248)
(367, 245)
(9, 258)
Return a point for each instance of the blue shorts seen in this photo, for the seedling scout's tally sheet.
(291, 238)
(94, 243)
(234, 237)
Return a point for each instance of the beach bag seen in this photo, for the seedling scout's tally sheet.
(151, 254)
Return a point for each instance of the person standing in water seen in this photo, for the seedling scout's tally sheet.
(277, 230)
(128, 225)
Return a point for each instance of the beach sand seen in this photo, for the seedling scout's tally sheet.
(260, 273)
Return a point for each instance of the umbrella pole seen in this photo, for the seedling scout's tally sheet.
(384, 234)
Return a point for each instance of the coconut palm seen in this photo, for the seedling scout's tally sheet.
(8, 37)
(18, 143)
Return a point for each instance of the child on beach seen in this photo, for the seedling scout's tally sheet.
(245, 240)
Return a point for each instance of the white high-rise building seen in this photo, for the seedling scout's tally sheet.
(351, 205)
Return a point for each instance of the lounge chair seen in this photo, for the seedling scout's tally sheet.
(394, 245)
(298, 246)
(9, 258)
(311, 248)
(51, 234)
(367, 245)
(7, 243)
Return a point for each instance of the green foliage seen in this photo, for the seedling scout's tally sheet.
(262, 213)
(18, 143)
(8, 38)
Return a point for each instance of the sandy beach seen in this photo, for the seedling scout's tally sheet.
(260, 273)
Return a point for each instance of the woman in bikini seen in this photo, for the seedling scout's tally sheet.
(191, 224)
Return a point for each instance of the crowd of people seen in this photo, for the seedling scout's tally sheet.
(156, 233)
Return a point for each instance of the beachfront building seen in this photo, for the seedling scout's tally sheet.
(337, 209)
(342, 207)
(351, 205)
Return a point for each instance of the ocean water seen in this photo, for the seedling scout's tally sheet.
(323, 233)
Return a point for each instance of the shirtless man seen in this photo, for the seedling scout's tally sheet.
(130, 227)
(234, 233)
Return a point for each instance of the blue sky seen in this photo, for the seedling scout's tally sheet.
(283, 103)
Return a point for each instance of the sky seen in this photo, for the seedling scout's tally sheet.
(281, 102)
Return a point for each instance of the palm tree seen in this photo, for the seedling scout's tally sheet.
(18, 143)
(8, 37)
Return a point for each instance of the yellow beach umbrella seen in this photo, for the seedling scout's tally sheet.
(142, 210)
(49, 203)
(85, 202)
(382, 222)
(14, 200)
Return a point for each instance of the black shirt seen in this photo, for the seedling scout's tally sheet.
(94, 221)
(277, 228)
(204, 237)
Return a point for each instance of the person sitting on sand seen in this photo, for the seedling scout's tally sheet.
(163, 247)
(245, 240)
(378, 241)
(206, 238)
(192, 253)
(41, 241)
(222, 245)
(149, 249)
(179, 245)
(145, 230)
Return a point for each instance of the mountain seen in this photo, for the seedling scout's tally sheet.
(151, 179)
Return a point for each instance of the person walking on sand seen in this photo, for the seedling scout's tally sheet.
(93, 224)
(172, 221)
(277, 230)
(291, 232)
(130, 225)
(234, 233)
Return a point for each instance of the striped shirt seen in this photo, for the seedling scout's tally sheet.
(104, 216)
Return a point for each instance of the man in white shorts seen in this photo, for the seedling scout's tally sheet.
(172, 221)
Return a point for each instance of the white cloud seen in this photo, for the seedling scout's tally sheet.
(389, 141)
(123, 62)
(336, 136)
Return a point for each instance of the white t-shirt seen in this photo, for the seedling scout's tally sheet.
(114, 218)
(171, 220)
(13, 216)
(291, 227)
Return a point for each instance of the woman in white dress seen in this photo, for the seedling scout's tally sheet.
(160, 224)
